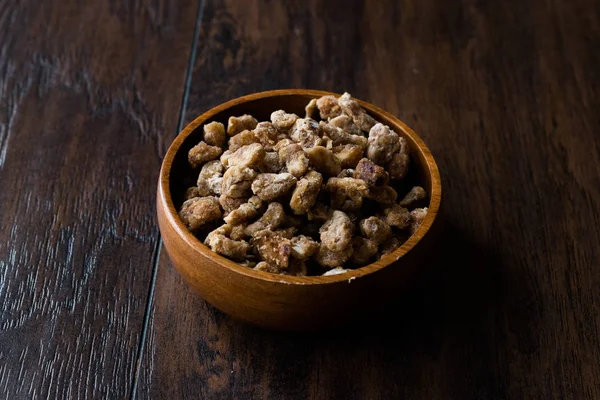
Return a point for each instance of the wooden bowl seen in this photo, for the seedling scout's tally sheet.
(277, 301)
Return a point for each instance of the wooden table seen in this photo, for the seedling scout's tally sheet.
(505, 93)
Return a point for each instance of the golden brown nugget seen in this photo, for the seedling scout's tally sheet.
(294, 158)
(214, 134)
(271, 186)
(371, 173)
(306, 132)
(267, 134)
(303, 247)
(386, 195)
(201, 153)
(383, 143)
(310, 111)
(251, 156)
(415, 195)
(230, 203)
(271, 163)
(218, 242)
(243, 138)
(273, 248)
(283, 121)
(267, 267)
(244, 122)
(375, 229)
(273, 217)
(323, 160)
(328, 107)
(341, 137)
(360, 117)
(237, 182)
(198, 211)
(245, 212)
(417, 215)
(346, 123)
(348, 155)
(210, 178)
(400, 162)
(306, 192)
(336, 233)
(397, 216)
(326, 257)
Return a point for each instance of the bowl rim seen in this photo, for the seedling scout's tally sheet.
(172, 215)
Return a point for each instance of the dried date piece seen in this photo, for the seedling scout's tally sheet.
(415, 195)
(375, 229)
(198, 211)
(201, 153)
(214, 134)
(237, 182)
(210, 178)
(273, 248)
(236, 125)
(371, 173)
(218, 242)
(360, 117)
(336, 233)
(383, 143)
(306, 192)
(271, 186)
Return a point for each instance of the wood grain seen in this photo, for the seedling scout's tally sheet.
(84, 107)
(506, 96)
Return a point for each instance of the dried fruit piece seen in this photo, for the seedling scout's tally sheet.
(364, 251)
(348, 155)
(271, 186)
(237, 182)
(198, 211)
(400, 162)
(417, 215)
(210, 178)
(251, 156)
(282, 120)
(306, 132)
(236, 125)
(329, 258)
(397, 216)
(415, 195)
(295, 160)
(306, 192)
(303, 247)
(336, 233)
(371, 173)
(201, 153)
(383, 143)
(360, 117)
(245, 212)
(323, 160)
(375, 229)
(273, 248)
(328, 107)
(214, 134)
(218, 242)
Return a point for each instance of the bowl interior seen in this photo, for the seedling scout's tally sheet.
(423, 170)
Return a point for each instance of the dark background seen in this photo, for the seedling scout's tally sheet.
(505, 94)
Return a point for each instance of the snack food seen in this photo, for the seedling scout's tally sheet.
(315, 195)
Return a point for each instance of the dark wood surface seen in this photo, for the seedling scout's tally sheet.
(506, 95)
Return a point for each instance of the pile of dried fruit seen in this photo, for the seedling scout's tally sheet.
(300, 196)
